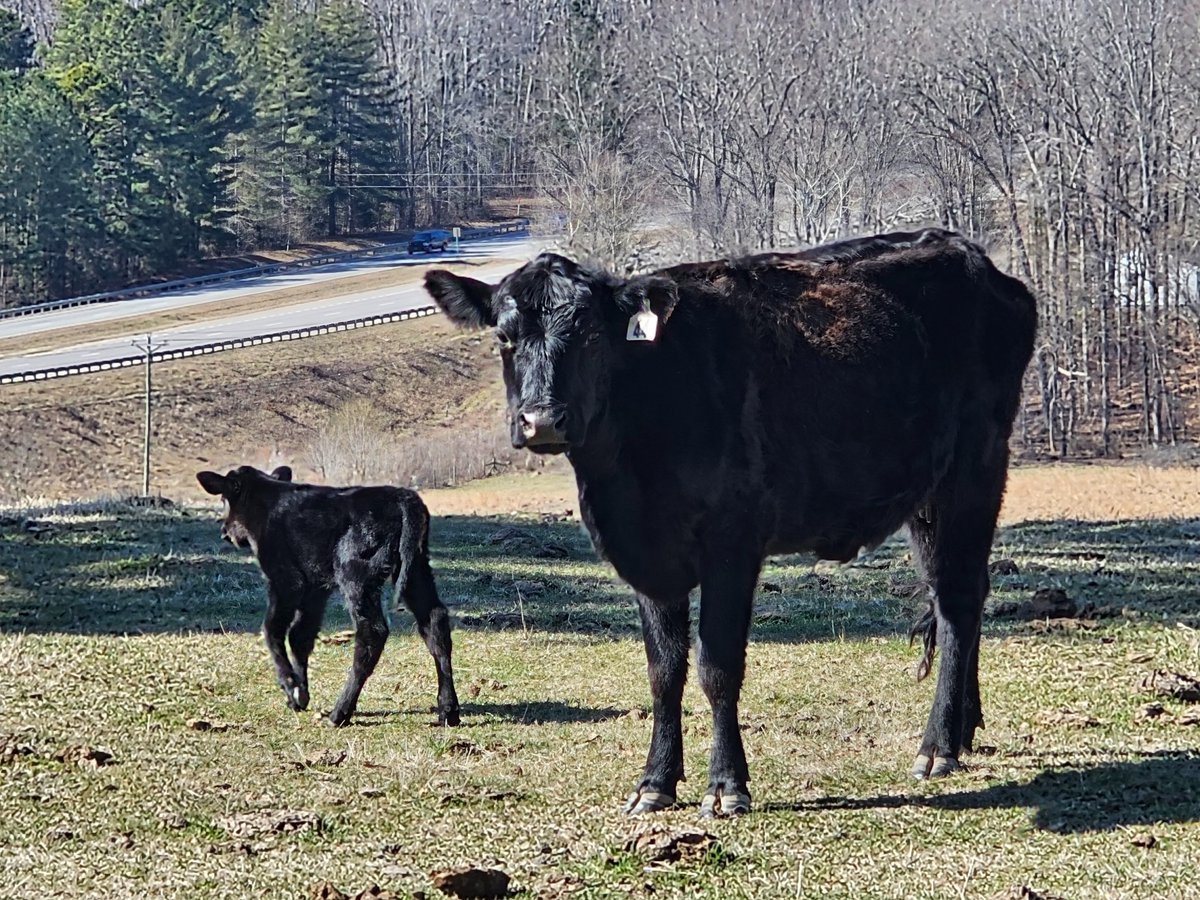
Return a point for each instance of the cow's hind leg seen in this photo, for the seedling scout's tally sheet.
(951, 541)
(301, 637)
(726, 601)
(370, 635)
(665, 627)
(433, 624)
(282, 604)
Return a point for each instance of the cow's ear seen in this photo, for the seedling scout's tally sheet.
(466, 301)
(652, 292)
(282, 473)
(213, 483)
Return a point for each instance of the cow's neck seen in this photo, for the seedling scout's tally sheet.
(634, 495)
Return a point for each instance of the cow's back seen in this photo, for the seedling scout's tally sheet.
(829, 393)
(319, 529)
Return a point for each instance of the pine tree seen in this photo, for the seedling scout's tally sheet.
(102, 59)
(282, 176)
(357, 130)
(16, 43)
(48, 221)
(198, 109)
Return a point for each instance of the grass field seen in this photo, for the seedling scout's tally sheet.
(132, 632)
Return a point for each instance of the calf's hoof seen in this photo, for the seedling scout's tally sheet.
(448, 716)
(339, 718)
(648, 800)
(297, 697)
(926, 766)
(724, 801)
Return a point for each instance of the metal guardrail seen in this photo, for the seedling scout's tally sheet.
(162, 287)
(206, 349)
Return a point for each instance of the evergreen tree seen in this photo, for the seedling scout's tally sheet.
(102, 58)
(358, 131)
(282, 176)
(155, 90)
(16, 43)
(322, 115)
(48, 221)
(198, 109)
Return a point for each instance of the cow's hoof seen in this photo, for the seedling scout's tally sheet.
(721, 801)
(646, 800)
(934, 767)
(449, 717)
(338, 719)
(297, 697)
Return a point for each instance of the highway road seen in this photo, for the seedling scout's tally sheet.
(282, 317)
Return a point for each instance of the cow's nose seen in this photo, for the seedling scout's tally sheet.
(542, 426)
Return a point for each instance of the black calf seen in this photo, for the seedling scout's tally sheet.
(311, 540)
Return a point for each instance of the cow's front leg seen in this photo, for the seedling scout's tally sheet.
(281, 608)
(726, 600)
(665, 633)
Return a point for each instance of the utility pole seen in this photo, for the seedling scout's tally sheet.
(148, 348)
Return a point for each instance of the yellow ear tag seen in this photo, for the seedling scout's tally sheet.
(643, 326)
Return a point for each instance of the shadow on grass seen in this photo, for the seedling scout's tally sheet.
(116, 568)
(1155, 787)
(537, 712)
(122, 569)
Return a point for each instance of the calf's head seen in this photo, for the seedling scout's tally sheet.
(561, 329)
(237, 488)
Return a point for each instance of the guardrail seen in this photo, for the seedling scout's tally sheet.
(162, 287)
(206, 349)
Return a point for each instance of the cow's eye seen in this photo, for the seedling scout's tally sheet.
(503, 339)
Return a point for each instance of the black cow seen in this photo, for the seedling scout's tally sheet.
(310, 541)
(722, 411)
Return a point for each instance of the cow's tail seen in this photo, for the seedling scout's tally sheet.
(412, 548)
(926, 628)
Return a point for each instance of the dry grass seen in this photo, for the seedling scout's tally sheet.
(122, 627)
(1093, 493)
(1101, 492)
(80, 438)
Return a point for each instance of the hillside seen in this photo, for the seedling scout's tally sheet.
(80, 438)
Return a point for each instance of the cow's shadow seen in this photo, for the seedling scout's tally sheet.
(1153, 787)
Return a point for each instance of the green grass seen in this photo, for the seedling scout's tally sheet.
(120, 627)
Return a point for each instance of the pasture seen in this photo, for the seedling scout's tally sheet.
(146, 751)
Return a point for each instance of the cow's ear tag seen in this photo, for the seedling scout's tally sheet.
(643, 326)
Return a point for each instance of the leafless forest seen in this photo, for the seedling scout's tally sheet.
(1063, 134)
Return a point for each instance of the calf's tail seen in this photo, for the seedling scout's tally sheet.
(411, 547)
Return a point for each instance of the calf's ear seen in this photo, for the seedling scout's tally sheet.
(466, 301)
(282, 473)
(653, 292)
(212, 482)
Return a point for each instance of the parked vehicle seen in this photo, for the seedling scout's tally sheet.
(429, 241)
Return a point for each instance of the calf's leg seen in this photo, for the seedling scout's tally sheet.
(433, 624)
(370, 634)
(281, 609)
(665, 633)
(301, 637)
(726, 600)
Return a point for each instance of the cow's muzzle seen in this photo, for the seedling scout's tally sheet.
(235, 537)
(541, 429)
